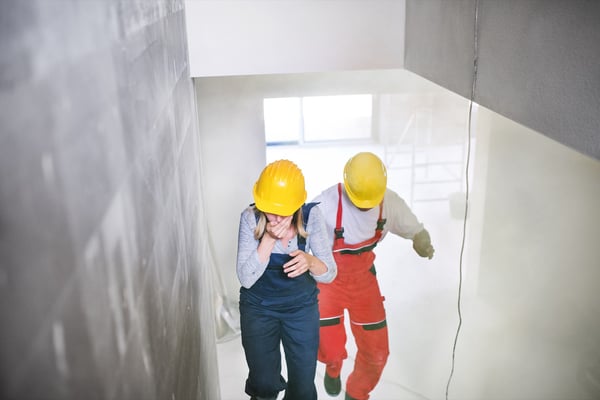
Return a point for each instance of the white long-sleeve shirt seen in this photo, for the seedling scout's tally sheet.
(250, 269)
(360, 225)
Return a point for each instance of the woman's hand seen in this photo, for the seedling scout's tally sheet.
(299, 264)
(279, 229)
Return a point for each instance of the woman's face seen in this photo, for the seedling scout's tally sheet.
(278, 225)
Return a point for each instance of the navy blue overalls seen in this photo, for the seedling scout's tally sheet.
(281, 310)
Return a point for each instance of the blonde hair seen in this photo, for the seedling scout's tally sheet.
(261, 223)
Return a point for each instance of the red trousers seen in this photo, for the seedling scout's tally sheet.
(356, 290)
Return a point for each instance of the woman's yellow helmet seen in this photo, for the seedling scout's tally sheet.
(365, 180)
(280, 188)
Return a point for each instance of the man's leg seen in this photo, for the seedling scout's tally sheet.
(332, 343)
(369, 327)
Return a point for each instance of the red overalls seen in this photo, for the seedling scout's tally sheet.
(355, 288)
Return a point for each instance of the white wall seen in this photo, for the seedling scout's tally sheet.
(245, 37)
(531, 330)
(233, 154)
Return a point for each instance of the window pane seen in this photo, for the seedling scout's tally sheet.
(337, 117)
(282, 120)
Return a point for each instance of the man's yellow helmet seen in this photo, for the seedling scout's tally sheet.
(365, 180)
(280, 188)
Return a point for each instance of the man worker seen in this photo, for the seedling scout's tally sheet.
(358, 214)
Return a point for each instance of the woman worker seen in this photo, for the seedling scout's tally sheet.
(278, 297)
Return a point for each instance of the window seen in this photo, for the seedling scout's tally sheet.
(283, 120)
(317, 118)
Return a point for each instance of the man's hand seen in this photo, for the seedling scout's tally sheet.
(422, 244)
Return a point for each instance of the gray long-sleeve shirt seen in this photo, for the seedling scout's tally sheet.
(250, 269)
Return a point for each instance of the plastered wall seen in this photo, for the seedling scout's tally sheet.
(104, 291)
(241, 37)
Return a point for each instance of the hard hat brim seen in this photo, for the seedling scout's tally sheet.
(270, 207)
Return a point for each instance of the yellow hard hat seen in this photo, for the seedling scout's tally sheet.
(280, 188)
(365, 180)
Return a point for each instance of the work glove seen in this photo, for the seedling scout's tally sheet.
(422, 244)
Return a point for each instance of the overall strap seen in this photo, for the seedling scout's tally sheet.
(341, 247)
(339, 230)
(305, 213)
(380, 221)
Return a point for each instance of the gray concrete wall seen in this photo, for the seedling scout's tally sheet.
(104, 292)
(537, 60)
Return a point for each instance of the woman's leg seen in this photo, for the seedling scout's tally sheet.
(300, 337)
(261, 341)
